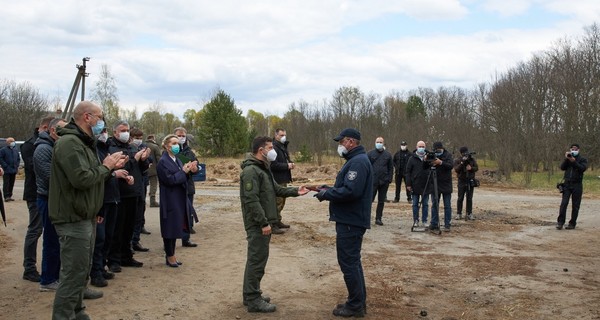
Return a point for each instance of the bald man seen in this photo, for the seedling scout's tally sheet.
(75, 197)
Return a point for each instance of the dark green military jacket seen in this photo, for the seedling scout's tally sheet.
(258, 192)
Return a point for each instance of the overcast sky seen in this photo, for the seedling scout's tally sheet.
(268, 54)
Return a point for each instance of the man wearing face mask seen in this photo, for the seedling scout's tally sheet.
(417, 173)
(465, 167)
(443, 165)
(282, 172)
(350, 202)
(137, 136)
(9, 161)
(75, 196)
(258, 191)
(185, 155)
(35, 226)
(400, 159)
(574, 165)
(42, 162)
(120, 253)
(383, 170)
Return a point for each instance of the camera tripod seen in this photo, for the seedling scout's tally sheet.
(432, 176)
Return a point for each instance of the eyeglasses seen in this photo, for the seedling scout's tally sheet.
(91, 114)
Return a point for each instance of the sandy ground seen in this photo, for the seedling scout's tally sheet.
(509, 263)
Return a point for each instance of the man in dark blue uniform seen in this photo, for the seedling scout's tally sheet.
(350, 207)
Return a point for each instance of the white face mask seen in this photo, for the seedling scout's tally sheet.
(403, 148)
(103, 137)
(282, 140)
(181, 140)
(123, 137)
(137, 142)
(271, 155)
(342, 150)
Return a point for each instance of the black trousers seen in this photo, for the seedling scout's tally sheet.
(464, 188)
(574, 191)
(120, 248)
(8, 183)
(381, 192)
(169, 246)
(399, 178)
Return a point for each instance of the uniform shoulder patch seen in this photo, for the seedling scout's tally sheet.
(351, 175)
(248, 186)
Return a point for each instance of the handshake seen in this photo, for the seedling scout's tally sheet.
(320, 191)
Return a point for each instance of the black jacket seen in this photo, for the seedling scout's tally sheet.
(134, 167)
(574, 170)
(417, 173)
(460, 167)
(400, 160)
(444, 173)
(111, 186)
(279, 167)
(29, 188)
(351, 197)
(383, 166)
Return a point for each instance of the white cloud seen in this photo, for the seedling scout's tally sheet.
(266, 54)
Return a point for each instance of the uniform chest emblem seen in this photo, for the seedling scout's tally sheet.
(351, 175)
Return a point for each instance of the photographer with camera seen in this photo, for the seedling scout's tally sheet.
(443, 163)
(574, 165)
(465, 167)
(417, 172)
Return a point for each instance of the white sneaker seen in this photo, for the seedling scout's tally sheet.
(49, 287)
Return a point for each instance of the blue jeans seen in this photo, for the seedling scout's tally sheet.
(425, 209)
(50, 245)
(348, 244)
(447, 210)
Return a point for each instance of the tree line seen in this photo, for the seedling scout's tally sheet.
(524, 119)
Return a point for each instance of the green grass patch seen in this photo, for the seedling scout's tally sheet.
(541, 180)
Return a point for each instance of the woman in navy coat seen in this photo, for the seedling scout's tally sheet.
(174, 203)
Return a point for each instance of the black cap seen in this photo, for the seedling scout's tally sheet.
(438, 145)
(463, 149)
(348, 132)
(403, 143)
(574, 145)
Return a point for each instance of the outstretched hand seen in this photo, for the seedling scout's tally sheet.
(303, 190)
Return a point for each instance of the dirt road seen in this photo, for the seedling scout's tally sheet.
(510, 263)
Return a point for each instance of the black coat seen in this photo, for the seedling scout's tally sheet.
(30, 187)
(134, 167)
(279, 167)
(444, 173)
(383, 166)
(111, 186)
(574, 170)
(400, 160)
(416, 175)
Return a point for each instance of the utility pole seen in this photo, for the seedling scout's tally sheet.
(79, 79)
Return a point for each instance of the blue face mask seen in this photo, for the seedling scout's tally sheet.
(421, 150)
(438, 153)
(175, 149)
(378, 146)
(98, 127)
(575, 153)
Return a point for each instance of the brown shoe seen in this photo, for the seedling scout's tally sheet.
(282, 225)
(276, 230)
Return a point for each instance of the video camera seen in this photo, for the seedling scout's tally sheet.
(430, 156)
(468, 155)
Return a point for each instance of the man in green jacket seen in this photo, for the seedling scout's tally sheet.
(258, 192)
(75, 197)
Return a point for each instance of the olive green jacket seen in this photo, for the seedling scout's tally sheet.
(258, 192)
(76, 178)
